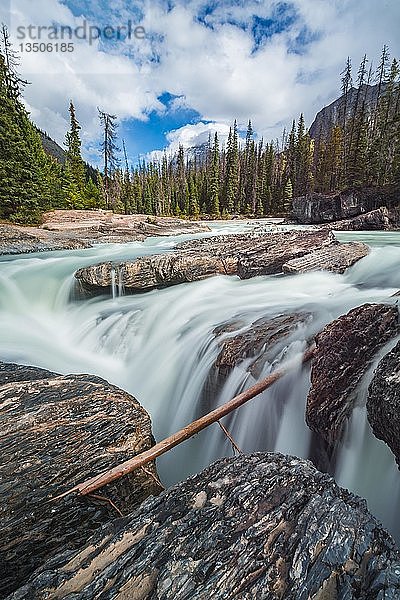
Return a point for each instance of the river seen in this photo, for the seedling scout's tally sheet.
(159, 346)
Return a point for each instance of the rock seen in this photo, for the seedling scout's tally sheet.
(57, 431)
(375, 220)
(345, 349)
(71, 229)
(246, 255)
(327, 208)
(255, 526)
(149, 272)
(383, 403)
(336, 259)
(262, 341)
(269, 256)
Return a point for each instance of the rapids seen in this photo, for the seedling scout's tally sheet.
(159, 346)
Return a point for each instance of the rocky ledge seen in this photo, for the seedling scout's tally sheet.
(245, 255)
(328, 208)
(344, 351)
(72, 229)
(255, 526)
(57, 431)
(383, 404)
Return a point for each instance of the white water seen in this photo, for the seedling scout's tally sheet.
(159, 346)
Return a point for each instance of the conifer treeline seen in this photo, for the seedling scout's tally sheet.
(241, 177)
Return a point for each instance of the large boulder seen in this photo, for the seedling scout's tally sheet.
(327, 208)
(258, 526)
(57, 431)
(383, 403)
(335, 259)
(344, 351)
(245, 255)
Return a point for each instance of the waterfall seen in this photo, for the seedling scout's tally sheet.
(160, 347)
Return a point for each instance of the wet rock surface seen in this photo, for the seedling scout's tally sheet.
(336, 259)
(262, 341)
(344, 351)
(57, 431)
(73, 229)
(245, 255)
(383, 403)
(327, 208)
(256, 526)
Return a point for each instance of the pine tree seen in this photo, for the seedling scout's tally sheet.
(74, 166)
(109, 149)
(25, 173)
(214, 183)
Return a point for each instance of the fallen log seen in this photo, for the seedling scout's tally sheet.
(95, 483)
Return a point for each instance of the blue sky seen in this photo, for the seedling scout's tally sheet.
(201, 65)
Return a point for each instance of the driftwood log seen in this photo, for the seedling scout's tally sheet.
(54, 430)
(261, 526)
(99, 481)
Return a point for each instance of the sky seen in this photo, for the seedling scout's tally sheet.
(187, 68)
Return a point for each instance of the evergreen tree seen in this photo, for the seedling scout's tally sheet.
(214, 184)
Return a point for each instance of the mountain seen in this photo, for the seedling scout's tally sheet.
(331, 114)
(51, 147)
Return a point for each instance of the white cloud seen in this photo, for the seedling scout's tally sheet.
(213, 68)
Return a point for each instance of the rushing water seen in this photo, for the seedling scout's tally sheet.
(160, 347)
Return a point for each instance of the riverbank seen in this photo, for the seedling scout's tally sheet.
(74, 229)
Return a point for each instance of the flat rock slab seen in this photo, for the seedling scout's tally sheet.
(336, 259)
(344, 351)
(57, 431)
(261, 526)
(245, 255)
(383, 403)
(72, 229)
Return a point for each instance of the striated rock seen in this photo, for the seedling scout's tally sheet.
(344, 352)
(269, 256)
(383, 403)
(262, 341)
(327, 208)
(56, 431)
(375, 220)
(246, 255)
(148, 272)
(336, 259)
(71, 229)
(258, 526)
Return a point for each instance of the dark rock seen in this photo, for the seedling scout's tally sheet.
(327, 208)
(335, 259)
(256, 526)
(262, 341)
(345, 349)
(383, 404)
(57, 431)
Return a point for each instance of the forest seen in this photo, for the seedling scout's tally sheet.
(242, 177)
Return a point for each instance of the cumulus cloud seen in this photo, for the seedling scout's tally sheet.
(263, 60)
